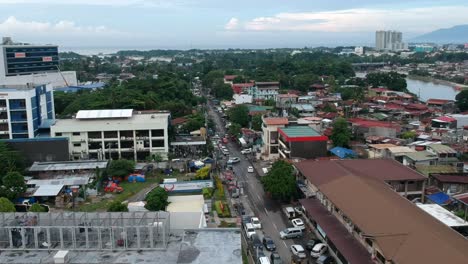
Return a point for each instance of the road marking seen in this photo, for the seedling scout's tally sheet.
(275, 226)
(266, 211)
(284, 242)
(260, 199)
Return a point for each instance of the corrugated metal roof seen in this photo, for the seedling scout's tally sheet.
(108, 113)
(48, 190)
(68, 165)
(300, 131)
(439, 148)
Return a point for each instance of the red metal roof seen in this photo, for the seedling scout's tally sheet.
(446, 119)
(451, 178)
(373, 123)
(275, 121)
(229, 77)
(178, 121)
(438, 101)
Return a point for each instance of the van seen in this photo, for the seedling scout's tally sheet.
(263, 260)
(291, 232)
(289, 212)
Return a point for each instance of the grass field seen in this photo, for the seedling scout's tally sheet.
(129, 190)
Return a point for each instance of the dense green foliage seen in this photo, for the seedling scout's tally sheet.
(341, 134)
(239, 114)
(168, 92)
(156, 200)
(37, 208)
(462, 100)
(409, 135)
(117, 206)
(120, 168)
(10, 160)
(13, 185)
(392, 80)
(235, 129)
(6, 206)
(203, 173)
(280, 181)
(257, 122)
(194, 122)
(221, 90)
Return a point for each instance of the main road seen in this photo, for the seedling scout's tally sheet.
(269, 211)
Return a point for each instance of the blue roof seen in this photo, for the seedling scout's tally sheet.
(73, 89)
(439, 198)
(343, 152)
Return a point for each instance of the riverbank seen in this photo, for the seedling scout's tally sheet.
(436, 81)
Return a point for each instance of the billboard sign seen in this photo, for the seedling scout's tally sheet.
(20, 55)
(189, 186)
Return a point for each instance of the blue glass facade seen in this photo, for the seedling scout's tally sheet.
(50, 105)
(27, 60)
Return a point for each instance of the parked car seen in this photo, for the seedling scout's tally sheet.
(299, 210)
(246, 151)
(256, 243)
(311, 243)
(297, 222)
(289, 212)
(275, 258)
(325, 259)
(318, 250)
(299, 251)
(250, 169)
(269, 243)
(290, 232)
(249, 230)
(233, 160)
(256, 222)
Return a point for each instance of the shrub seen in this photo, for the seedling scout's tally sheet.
(207, 193)
(222, 212)
(203, 173)
(219, 188)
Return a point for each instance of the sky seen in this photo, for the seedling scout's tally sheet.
(185, 24)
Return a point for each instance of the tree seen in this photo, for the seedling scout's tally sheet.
(222, 90)
(269, 102)
(409, 135)
(10, 160)
(235, 129)
(462, 100)
(6, 206)
(240, 115)
(257, 122)
(120, 168)
(280, 181)
(341, 134)
(156, 200)
(392, 80)
(13, 185)
(37, 208)
(203, 173)
(117, 206)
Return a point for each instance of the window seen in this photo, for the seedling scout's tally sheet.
(380, 257)
(58, 134)
(369, 242)
(77, 144)
(157, 133)
(110, 134)
(158, 143)
(76, 133)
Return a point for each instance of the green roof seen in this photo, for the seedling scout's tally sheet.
(300, 131)
(439, 148)
(421, 156)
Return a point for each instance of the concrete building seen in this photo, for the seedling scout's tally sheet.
(264, 91)
(301, 142)
(122, 133)
(25, 64)
(364, 221)
(24, 109)
(389, 41)
(271, 137)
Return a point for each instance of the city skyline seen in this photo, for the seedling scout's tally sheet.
(209, 24)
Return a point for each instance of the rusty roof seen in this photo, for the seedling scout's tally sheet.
(276, 121)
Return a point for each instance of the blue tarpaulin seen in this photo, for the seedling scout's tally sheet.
(439, 198)
(343, 152)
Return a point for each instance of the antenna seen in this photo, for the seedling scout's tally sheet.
(63, 77)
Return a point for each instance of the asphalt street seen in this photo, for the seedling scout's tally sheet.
(269, 211)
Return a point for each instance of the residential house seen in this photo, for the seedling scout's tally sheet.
(271, 136)
(445, 122)
(445, 154)
(364, 221)
(284, 101)
(378, 151)
(397, 152)
(301, 142)
(446, 106)
(264, 91)
(414, 159)
(228, 79)
(452, 183)
(365, 127)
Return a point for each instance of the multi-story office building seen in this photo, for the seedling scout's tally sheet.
(22, 64)
(271, 137)
(24, 110)
(121, 133)
(389, 40)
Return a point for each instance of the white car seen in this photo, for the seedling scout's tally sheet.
(297, 222)
(233, 160)
(298, 250)
(250, 169)
(246, 151)
(256, 222)
(318, 250)
(249, 230)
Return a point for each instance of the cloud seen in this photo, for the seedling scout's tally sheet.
(62, 30)
(120, 3)
(360, 20)
(232, 24)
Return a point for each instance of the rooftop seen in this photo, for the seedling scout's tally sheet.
(451, 178)
(300, 133)
(382, 146)
(441, 149)
(276, 121)
(420, 156)
(104, 114)
(68, 165)
(443, 215)
(373, 123)
(186, 203)
(404, 233)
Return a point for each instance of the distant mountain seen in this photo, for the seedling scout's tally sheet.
(456, 34)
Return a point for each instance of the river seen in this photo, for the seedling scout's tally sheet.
(427, 90)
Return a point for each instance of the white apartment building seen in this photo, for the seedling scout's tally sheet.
(115, 134)
(270, 136)
(390, 41)
(264, 91)
(25, 64)
(25, 109)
